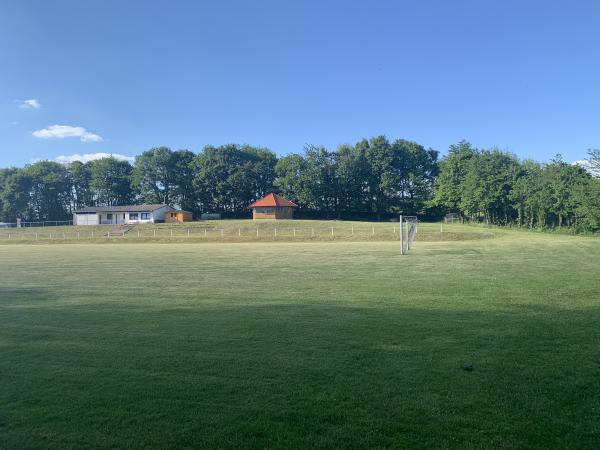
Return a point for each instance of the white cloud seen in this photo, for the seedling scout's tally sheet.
(587, 166)
(86, 157)
(65, 131)
(32, 103)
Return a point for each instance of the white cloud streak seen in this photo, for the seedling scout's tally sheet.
(66, 131)
(587, 166)
(32, 103)
(86, 157)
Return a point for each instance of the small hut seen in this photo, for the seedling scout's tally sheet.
(273, 206)
(178, 216)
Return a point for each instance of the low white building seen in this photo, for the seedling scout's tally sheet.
(116, 215)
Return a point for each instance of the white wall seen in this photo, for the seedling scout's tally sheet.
(85, 219)
(117, 217)
(159, 214)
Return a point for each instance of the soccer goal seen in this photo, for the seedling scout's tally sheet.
(408, 232)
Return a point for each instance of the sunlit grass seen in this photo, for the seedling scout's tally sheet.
(486, 343)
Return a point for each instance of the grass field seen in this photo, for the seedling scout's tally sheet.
(242, 231)
(482, 343)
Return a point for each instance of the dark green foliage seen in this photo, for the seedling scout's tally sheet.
(496, 188)
(154, 175)
(81, 189)
(371, 178)
(230, 177)
(111, 181)
(14, 194)
(49, 191)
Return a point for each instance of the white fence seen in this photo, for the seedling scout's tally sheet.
(43, 224)
(208, 233)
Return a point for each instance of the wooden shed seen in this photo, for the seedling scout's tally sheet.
(273, 206)
(178, 216)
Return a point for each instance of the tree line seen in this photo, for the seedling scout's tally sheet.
(494, 187)
(374, 178)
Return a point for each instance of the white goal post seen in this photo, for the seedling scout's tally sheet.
(408, 232)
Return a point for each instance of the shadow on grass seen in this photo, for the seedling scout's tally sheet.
(310, 375)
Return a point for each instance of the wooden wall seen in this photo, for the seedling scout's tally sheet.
(278, 213)
(180, 216)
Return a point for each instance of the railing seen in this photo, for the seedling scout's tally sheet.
(44, 223)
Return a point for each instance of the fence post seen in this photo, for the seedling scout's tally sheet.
(205, 232)
(78, 235)
(50, 236)
(221, 232)
(401, 236)
(64, 236)
(441, 227)
(171, 232)
(36, 236)
(373, 231)
(138, 233)
(275, 232)
(154, 234)
(332, 236)
(294, 232)
(312, 232)
(256, 231)
(92, 234)
(239, 232)
(352, 230)
(188, 231)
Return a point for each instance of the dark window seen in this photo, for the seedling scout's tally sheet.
(145, 216)
(109, 217)
(133, 216)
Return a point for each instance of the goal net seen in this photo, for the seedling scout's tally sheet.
(408, 232)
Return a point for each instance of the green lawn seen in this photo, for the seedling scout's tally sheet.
(243, 231)
(484, 343)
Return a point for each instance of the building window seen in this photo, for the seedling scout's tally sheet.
(133, 216)
(145, 216)
(109, 217)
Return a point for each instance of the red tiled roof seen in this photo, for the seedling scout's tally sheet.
(273, 199)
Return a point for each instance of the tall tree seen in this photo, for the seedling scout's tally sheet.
(111, 181)
(594, 160)
(382, 178)
(15, 185)
(154, 175)
(588, 206)
(81, 178)
(49, 191)
(183, 193)
(452, 174)
(290, 179)
(353, 175)
(230, 177)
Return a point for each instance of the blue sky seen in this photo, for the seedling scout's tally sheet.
(123, 76)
